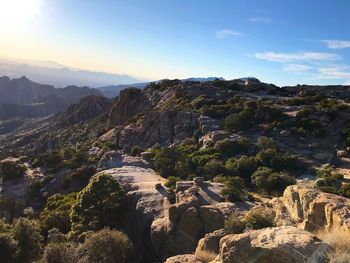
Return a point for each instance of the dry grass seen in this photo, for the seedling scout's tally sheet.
(206, 256)
(340, 242)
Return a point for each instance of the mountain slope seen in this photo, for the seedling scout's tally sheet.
(59, 75)
(25, 98)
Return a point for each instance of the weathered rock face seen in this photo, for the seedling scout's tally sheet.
(11, 168)
(116, 159)
(210, 243)
(272, 245)
(188, 258)
(145, 203)
(183, 225)
(130, 102)
(166, 128)
(314, 210)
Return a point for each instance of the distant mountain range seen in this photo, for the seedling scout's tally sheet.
(59, 75)
(112, 91)
(24, 98)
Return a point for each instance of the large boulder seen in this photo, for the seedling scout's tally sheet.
(272, 245)
(186, 258)
(314, 210)
(184, 224)
(145, 203)
(12, 168)
(110, 159)
(115, 159)
(210, 243)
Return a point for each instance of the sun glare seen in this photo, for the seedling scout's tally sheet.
(17, 13)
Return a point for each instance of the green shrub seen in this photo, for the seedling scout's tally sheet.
(11, 207)
(221, 178)
(326, 171)
(344, 190)
(136, 150)
(83, 173)
(12, 170)
(279, 161)
(107, 246)
(243, 167)
(234, 189)
(328, 189)
(171, 182)
(171, 162)
(101, 203)
(259, 218)
(270, 182)
(56, 213)
(231, 147)
(61, 252)
(50, 160)
(265, 143)
(27, 235)
(234, 225)
(8, 248)
(213, 168)
(238, 121)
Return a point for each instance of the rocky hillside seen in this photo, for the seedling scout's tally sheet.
(24, 98)
(183, 171)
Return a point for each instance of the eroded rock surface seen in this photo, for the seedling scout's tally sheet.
(272, 245)
(188, 258)
(313, 210)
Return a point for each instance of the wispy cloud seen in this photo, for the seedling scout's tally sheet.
(226, 33)
(300, 56)
(337, 44)
(260, 19)
(341, 72)
(297, 68)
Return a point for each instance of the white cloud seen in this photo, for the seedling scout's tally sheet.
(260, 19)
(334, 72)
(300, 56)
(226, 33)
(296, 68)
(337, 44)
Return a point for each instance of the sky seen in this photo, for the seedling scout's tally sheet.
(283, 42)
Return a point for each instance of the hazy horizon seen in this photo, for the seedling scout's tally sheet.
(285, 43)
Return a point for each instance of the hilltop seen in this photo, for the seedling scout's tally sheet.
(199, 170)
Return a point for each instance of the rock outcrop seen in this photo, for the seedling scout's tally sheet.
(116, 159)
(313, 210)
(145, 203)
(164, 128)
(188, 258)
(272, 245)
(184, 224)
(130, 102)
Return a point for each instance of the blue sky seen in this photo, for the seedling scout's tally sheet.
(283, 42)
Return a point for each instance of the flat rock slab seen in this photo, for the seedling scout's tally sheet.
(134, 178)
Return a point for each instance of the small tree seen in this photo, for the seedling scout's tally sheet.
(259, 218)
(171, 182)
(27, 234)
(107, 246)
(61, 252)
(56, 213)
(171, 162)
(266, 143)
(270, 182)
(234, 189)
(243, 167)
(99, 204)
(234, 225)
(7, 248)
